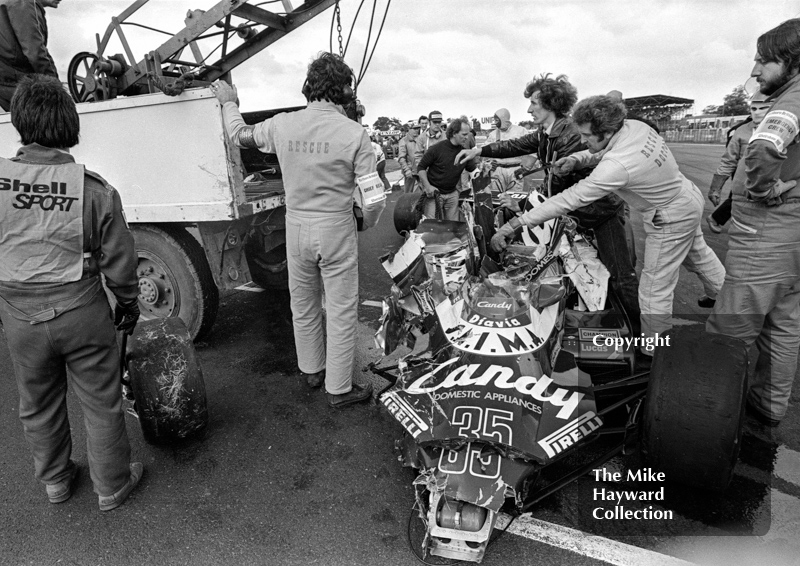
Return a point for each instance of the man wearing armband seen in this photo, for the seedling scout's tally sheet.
(323, 155)
(634, 162)
(760, 301)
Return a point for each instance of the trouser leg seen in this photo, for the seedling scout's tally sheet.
(760, 299)
(703, 262)
(612, 249)
(338, 245)
(42, 384)
(778, 345)
(429, 208)
(722, 213)
(88, 340)
(450, 206)
(408, 184)
(305, 287)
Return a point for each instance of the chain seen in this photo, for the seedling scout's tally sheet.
(338, 12)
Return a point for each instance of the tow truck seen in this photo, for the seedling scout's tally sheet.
(205, 217)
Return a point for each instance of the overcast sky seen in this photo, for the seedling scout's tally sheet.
(475, 56)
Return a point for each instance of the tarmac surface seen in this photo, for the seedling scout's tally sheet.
(280, 478)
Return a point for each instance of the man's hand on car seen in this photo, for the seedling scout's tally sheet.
(507, 201)
(564, 166)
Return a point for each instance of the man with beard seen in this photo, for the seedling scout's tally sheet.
(760, 299)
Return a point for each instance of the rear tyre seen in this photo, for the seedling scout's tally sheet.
(692, 424)
(174, 278)
(166, 381)
(405, 212)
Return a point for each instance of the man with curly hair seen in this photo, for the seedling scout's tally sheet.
(631, 160)
(556, 137)
(323, 156)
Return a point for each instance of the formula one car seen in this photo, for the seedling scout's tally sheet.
(529, 359)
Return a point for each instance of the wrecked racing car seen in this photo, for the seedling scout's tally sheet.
(518, 372)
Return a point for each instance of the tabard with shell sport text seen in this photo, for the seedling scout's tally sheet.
(41, 222)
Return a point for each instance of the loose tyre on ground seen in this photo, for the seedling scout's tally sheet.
(174, 277)
(166, 381)
(692, 424)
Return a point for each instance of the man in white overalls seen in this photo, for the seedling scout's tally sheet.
(322, 154)
(61, 226)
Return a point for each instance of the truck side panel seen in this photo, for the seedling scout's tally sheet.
(168, 157)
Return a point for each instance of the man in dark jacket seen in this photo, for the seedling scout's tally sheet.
(551, 100)
(23, 44)
(61, 226)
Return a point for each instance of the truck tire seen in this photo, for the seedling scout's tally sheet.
(166, 381)
(405, 213)
(692, 423)
(174, 278)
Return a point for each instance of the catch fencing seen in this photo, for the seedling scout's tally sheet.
(708, 135)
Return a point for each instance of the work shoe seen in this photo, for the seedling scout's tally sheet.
(712, 224)
(756, 413)
(315, 379)
(61, 491)
(706, 302)
(109, 502)
(358, 394)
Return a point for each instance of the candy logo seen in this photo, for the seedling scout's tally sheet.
(489, 305)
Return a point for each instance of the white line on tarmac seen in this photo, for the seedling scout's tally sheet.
(591, 546)
(377, 304)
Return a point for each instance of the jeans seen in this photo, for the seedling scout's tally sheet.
(81, 343)
(760, 300)
(450, 208)
(322, 252)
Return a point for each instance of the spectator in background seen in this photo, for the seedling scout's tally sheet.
(430, 136)
(360, 111)
(423, 124)
(408, 165)
(380, 158)
(503, 168)
(23, 44)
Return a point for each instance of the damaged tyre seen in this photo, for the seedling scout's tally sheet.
(166, 381)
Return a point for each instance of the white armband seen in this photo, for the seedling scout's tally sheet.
(779, 127)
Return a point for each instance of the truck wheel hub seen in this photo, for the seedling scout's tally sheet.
(155, 290)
